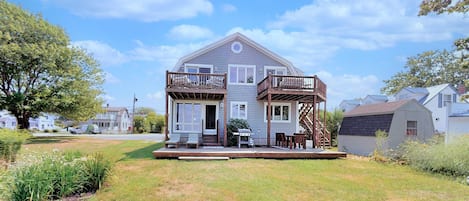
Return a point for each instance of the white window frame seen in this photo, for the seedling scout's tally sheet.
(198, 66)
(242, 66)
(446, 101)
(192, 123)
(239, 103)
(275, 68)
(411, 130)
(281, 112)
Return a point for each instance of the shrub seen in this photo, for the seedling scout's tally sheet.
(449, 159)
(55, 130)
(379, 154)
(10, 143)
(46, 131)
(52, 176)
(233, 126)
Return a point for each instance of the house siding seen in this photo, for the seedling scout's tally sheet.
(221, 57)
(439, 114)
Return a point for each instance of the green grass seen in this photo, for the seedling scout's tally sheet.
(137, 176)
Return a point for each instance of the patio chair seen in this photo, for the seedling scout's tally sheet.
(193, 139)
(300, 139)
(280, 139)
(174, 139)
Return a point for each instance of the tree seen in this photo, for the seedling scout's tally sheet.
(139, 124)
(41, 72)
(428, 69)
(447, 6)
(333, 121)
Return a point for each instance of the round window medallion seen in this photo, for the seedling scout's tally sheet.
(236, 47)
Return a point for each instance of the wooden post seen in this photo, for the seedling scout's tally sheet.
(166, 130)
(269, 116)
(225, 121)
(324, 125)
(315, 142)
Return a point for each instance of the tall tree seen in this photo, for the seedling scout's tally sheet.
(428, 69)
(448, 6)
(41, 72)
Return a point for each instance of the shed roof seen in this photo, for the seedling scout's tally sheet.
(376, 109)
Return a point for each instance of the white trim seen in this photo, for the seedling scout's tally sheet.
(242, 38)
(239, 103)
(278, 104)
(189, 65)
(244, 66)
(275, 68)
(202, 114)
(240, 47)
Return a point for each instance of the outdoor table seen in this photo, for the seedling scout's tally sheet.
(290, 139)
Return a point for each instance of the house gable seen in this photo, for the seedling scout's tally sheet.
(223, 49)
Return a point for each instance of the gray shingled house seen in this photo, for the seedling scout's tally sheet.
(402, 120)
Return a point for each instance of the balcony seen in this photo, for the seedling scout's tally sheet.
(292, 88)
(194, 86)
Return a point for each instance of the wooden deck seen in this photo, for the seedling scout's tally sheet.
(257, 152)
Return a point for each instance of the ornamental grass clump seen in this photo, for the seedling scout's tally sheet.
(10, 144)
(52, 176)
(450, 159)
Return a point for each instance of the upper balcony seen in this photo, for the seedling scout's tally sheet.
(193, 86)
(292, 88)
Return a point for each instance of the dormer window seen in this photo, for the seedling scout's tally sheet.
(447, 99)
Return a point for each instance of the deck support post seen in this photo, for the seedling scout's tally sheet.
(315, 142)
(225, 122)
(166, 129)
(324, 126)
(269, 117)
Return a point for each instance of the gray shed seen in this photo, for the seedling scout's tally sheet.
(402, 120)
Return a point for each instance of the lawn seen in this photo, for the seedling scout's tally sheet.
(137, 176)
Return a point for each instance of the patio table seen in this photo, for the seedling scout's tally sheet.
(290, 140)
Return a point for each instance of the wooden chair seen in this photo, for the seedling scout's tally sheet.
(280, 139)
(174, 139)
(300, 139)
(193, 139)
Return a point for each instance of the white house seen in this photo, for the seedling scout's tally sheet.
(7, 120)
(458, 121)
(113, 120)
(373, 99)
(347, 105)
(43, 122)
(436, 99)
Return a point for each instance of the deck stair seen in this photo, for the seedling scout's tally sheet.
(320, 134)
(210, 140)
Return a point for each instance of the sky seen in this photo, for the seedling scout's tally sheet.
(352, 45)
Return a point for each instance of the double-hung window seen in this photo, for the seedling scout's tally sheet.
(239, 110)
(242, 74)
(280, 112)
(447, 99)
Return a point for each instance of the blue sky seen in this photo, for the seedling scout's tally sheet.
(352, 45)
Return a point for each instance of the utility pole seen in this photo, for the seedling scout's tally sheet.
(133, 114)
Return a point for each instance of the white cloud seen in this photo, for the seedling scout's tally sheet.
(110, 78)
(369, 25)
(228, 8)
(141, 10)
(341, 87)
(190, 32)
(104, 53)
(107, 98)
(158, 96)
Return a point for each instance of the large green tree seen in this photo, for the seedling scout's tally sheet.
(448, 6)
(428, 69)
(41, 72)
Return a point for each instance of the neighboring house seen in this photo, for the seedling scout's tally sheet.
(43, 122)
(113, 120)
(458, 121)
(373, 99)
(236, 77)
(7, 120)
(347, 105)
(402, 120)
(436, 99)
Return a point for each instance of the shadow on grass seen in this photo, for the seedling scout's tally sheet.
(143, 153)
(48, 140)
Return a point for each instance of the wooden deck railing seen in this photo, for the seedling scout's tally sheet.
(280, 82)
(195, 80)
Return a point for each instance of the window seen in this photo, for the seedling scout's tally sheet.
(280, 112)
(188, 117)
(239, 110)
(411, 128)
(198, 68)
(447, 99)
(236, 47)
(242, 74)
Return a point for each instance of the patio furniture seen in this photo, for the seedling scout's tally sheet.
(174, 139)
(280, 139)
(193, 139)
(300, 139)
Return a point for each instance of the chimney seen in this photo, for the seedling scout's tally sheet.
(461, 89)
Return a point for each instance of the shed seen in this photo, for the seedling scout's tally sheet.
(402, 120)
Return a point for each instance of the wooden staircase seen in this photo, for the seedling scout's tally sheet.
(210, 140)
(320, 135)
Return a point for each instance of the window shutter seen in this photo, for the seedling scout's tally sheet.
(440, 100)
(454, 98)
